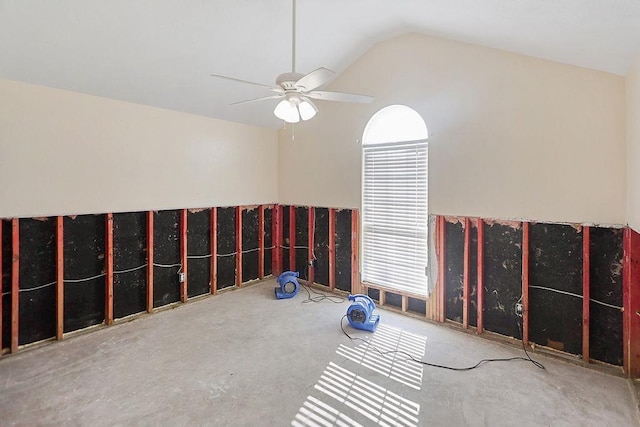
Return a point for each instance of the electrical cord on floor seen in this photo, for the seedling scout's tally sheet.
(319, 296)
(435, 365)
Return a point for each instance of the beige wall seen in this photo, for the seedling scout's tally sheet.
(510, 136)
(68, 153)
(633, 145)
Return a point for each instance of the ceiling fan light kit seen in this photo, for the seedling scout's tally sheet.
(293, 109)
(295, 89)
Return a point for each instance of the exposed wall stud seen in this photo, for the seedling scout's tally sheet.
(631, 303)
(214, 251)
(261, 242)
(465, 274)
(332, 248)
(525, 283)
(382, 297)
(15, 282)
(238, 246)
(149, 261)
(292, 238)
(405, 303)
(311, 245)
(480, 291)
(183, 255)
(1, 288)
(586, 297)
(442, 263)
(108, 297)
(276, 240)
(355, 264)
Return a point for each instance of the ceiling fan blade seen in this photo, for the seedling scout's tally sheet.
(273, 88)
(264, 98)
(339, 96)
(314, 79)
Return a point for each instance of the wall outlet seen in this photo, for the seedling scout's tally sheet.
(181, 277)
(519, 310)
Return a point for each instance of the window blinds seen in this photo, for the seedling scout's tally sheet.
(394, 216)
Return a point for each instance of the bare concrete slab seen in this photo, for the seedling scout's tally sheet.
(244, 358)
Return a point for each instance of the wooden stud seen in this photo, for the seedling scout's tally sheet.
(184, 295)
(355, 265)
(480, 291)
(586, 297)
(261, 242)
(332, 248)
(214, 251)
(631, 304)
(292, 238)
(525, 283)
(149, 261)
(382, 298)
(311, 245)
(1, 288)
(405, 303)
(465, 274)
(276, 240)
(239, 246)
(626, 306)
(442, 263)
(59, 278)
(108, 293)
(15, 283)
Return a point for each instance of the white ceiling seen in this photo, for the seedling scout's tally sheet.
(161, 52)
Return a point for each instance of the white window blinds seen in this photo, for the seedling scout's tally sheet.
(394, 216)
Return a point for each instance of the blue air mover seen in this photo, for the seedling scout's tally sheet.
(289, 285)
(360, 313)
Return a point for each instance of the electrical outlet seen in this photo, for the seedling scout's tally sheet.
(519, 310)
(181, 277)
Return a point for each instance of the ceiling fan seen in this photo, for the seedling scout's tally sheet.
(296, 90)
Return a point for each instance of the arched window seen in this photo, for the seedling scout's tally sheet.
(394, 201)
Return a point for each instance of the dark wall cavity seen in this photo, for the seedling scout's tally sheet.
(37, 279)
(605, 324)
(374, 294)
(84, 257)
(343, 250)
(129, 252)
(268, 241)
(226, 232)
(250, 231)
(454, 238)
(5, 285)
(198, 252)
(392, 299)
(166, 257)
(417, 305)
(302, 241)
(555, 319)
(321, 246)
(502, 278)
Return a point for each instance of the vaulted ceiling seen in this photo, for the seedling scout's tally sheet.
(161, 52)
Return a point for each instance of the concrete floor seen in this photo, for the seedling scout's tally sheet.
(244, 358)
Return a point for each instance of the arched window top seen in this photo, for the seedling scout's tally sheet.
(395, 123)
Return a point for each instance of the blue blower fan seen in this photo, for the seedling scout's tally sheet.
(360, 313)
(289, 285)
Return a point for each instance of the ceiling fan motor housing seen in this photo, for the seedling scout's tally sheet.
(360, 313)
(289, 285)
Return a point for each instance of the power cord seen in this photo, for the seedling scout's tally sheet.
(435, 365)
(319, 296)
